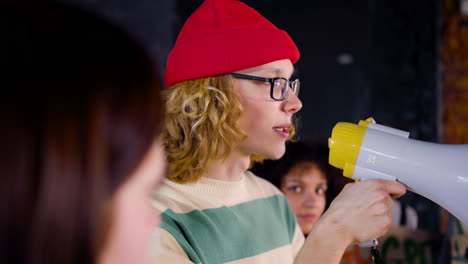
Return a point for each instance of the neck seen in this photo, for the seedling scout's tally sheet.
(232, 169)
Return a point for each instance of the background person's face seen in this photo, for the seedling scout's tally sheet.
(305, 191)
(264, 120)
(133, 219)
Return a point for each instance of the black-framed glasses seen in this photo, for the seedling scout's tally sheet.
(278, 86)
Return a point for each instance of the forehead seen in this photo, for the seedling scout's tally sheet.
(305, 169)
(306, 179)
(275, 68)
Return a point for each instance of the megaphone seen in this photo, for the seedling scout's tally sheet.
(438, 172)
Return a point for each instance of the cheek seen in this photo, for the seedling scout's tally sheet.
(138, 220)
(295, 201)
(252, 118)
(322, 202)
(133, 225)
(257, 122)
(258, 111)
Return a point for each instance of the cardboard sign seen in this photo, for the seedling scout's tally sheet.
(399, 246)
(459, 249)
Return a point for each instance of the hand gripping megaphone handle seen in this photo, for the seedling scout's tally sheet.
(372, 243)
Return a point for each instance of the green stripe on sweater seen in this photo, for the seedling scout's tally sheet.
(225, 234)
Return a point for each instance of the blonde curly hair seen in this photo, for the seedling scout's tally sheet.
(202, 125)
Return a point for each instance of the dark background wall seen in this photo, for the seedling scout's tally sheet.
(359, 58)
(152, 22)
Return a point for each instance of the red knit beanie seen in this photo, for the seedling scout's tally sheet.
(224, 36)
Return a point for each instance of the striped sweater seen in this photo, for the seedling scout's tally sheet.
(213, 221)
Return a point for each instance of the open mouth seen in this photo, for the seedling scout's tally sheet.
(282, 131)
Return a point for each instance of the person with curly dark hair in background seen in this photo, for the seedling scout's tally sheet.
(304, 176)
(80, 149)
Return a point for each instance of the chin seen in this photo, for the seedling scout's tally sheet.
(306, 229)
(277, 154)
(268, 150)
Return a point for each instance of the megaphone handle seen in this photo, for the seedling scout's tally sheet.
(372, 243)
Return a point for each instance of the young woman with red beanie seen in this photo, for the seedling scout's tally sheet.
(231, 102)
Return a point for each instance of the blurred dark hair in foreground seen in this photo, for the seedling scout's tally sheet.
(79, 109)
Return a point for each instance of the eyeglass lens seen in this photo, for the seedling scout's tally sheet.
(281, 88)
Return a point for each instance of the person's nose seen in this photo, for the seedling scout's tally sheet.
(309, 199)
(292, 103)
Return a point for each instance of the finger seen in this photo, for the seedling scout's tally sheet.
(389, 204)
(395, 189)
(382, 207)
(383, 223)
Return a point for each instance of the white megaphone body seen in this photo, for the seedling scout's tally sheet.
(438, 172)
